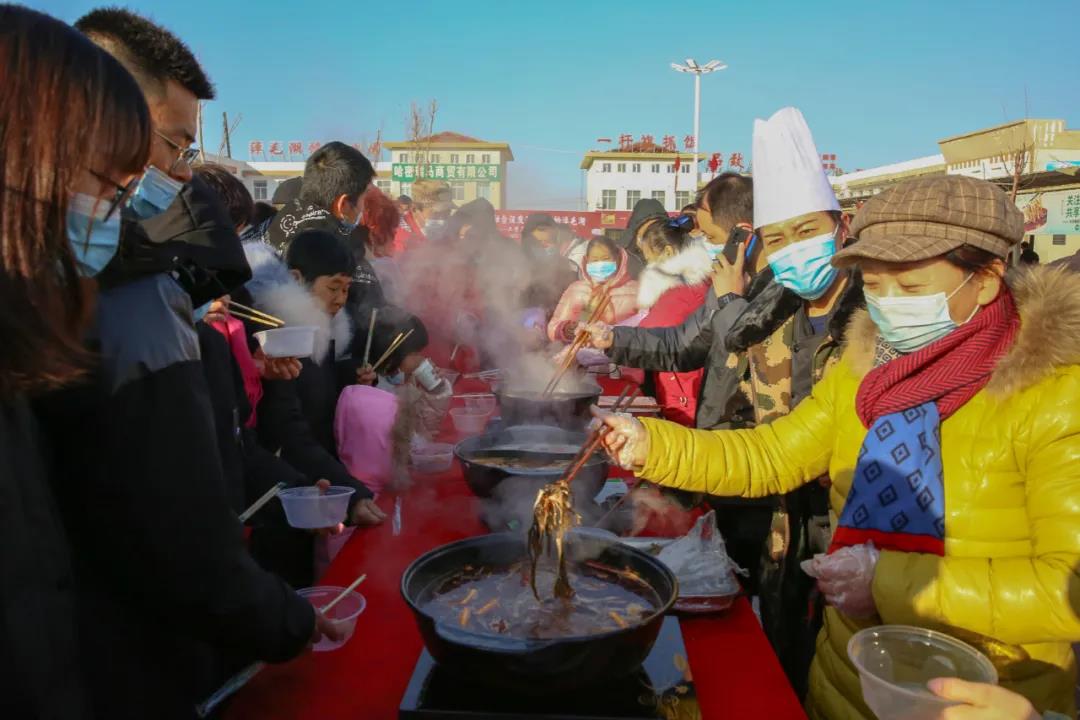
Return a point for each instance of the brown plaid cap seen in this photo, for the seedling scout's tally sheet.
(928, 217)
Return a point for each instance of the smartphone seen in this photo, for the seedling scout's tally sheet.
(738, 236)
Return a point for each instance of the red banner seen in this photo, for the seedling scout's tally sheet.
(582, 223)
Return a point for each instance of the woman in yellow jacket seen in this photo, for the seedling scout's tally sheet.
(950, 430)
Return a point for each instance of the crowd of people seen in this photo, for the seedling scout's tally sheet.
(882, 411)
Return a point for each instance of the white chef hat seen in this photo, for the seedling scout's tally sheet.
(788, 177)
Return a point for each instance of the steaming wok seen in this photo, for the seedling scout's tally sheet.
(566, 407)
(532, 665)
(534, 451)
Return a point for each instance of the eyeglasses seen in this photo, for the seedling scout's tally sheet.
(186, 155)
(123, 192)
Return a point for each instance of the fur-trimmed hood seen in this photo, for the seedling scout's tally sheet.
(277, 292)
(691, 266)
(1048, 300)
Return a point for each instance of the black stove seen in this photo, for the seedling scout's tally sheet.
(662, 688)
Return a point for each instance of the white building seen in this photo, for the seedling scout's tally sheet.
(617, 180)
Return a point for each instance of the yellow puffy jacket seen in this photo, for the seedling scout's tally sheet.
(1009, 581)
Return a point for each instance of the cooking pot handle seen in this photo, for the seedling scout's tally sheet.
(489, 643)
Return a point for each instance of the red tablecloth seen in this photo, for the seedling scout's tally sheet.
(735, 671)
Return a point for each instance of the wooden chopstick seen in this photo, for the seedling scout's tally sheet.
(267, 497)
(256, 319)
(242, 678)
(370, 334)
(393, 346)
(593, 442)
(253, 311)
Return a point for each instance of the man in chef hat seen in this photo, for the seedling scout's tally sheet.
(789, 334)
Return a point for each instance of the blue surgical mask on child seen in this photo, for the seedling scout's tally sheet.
(154, 193)
(200, 312)
(93, 238)
(805, 267)
(396, 379)
(601, 270)
(910, 323)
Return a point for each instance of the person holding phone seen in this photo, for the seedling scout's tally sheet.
(772, 339)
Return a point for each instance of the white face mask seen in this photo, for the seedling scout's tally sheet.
(910, 323)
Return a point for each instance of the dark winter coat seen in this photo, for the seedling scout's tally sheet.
(40, 672)
(165, 583)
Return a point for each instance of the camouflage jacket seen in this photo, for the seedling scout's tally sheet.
(776, 353)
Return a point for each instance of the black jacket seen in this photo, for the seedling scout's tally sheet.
(249, 469)
(165, 584)
(193, 240)
(40, 673)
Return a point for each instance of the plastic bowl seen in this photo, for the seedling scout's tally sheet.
(469, 421)
(484, 402)
(343, 615)
(896, 661)
(433, 458)
(296, 342)
(309, 509)
(450, 376)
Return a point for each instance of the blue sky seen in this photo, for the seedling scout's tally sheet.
(878, 82)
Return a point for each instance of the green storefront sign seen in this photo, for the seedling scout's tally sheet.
(410, 172)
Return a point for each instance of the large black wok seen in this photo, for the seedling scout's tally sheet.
(529, 441)
(565, 407)
(534, 666)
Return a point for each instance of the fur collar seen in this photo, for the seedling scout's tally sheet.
(1048, 300)
(771, 305)
(275, 291)
(690, 267)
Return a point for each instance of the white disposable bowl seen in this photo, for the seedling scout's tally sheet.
(432, 458)
(469, 421)
(309, 509)
(297, 342)
(896, 661)
(343, 615)
(484, 402)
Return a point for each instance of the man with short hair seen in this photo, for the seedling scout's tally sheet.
(165, 585)
(432, 203)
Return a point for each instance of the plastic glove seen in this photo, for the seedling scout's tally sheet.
(601, 336)
(981, 701)
(846, 578)
(627, 440)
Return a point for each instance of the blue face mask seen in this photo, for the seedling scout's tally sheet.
(910, 323)
(397, 378)
(200, 312)
(154, 194)
(805, 267)
(601, 270)
(93, 238)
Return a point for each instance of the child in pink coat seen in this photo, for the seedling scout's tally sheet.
(604, 267)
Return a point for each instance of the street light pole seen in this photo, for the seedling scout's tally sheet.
(692, 67)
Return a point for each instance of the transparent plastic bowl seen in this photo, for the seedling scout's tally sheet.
(469, 421)
(309, 509)
(896, 661)
(484, 402)
(343, 615)
(296, 342)
(433, 458)
(450, 376)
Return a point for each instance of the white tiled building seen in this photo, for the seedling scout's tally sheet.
(617, 180)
